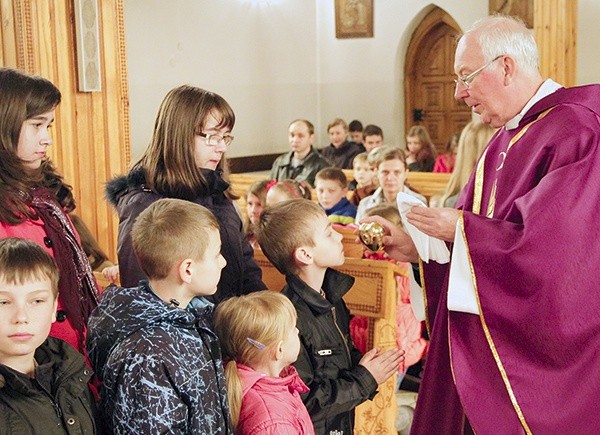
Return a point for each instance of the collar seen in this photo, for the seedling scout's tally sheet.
(548, 87)
(289, 156)
(335, 285)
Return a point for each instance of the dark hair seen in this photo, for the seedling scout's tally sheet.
(372, 130)
(23, 260)
(427, 149)
(25, 96)
(355, 125)
(89, 243)
(169, 162)
(334, 174)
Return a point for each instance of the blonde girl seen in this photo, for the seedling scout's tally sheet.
(471, 143)
(258, 336)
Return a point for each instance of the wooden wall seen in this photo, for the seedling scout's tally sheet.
(91, 130)
(555, 27)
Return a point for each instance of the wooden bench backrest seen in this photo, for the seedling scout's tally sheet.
(428, 183)
(351, 248)
(370, 294)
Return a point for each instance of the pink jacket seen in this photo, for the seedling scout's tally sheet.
(272, 405)
(34, 230)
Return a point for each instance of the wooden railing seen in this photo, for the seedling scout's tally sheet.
(375, 296)
(426, 183)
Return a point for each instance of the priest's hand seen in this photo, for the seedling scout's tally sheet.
(396, 242)
(435, 222)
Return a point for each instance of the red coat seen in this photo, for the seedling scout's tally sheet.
(34, 230)
(273, 405)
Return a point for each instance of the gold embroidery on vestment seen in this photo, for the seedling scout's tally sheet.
(477, 199)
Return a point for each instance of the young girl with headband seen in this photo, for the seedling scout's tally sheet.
(259, 337)
(279, 191)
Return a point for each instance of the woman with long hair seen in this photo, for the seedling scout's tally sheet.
(185, 160)
(35, 201)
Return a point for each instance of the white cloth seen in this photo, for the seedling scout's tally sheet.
(461, 288)
(417, 300)
(548, 87)
(429, 248)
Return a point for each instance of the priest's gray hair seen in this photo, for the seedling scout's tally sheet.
(503, 35)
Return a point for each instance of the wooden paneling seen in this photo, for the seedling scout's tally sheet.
(91, 131)
(555, 27)
(429, 78)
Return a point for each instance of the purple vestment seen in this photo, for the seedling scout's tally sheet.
(531, 361)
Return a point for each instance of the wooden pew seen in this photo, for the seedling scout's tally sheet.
(428, 183)
(351, 248)
(374, 295)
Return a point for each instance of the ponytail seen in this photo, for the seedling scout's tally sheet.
(234, 391)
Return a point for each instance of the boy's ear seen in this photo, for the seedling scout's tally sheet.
(185, 270)
(303, 256)
(54, 309)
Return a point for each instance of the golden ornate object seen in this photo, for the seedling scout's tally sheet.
(371, 235)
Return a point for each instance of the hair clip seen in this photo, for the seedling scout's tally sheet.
(270, 184)
(256, 344)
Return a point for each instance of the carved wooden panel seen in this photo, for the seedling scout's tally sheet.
(91, 134)
(429, 77)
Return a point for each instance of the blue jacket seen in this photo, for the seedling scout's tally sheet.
(160, 365)
(342, 213)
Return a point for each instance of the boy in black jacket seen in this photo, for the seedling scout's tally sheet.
(299, 240)
(43, 380)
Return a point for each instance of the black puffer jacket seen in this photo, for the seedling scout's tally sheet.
(58, 401)
(328, 360)
(131, 196)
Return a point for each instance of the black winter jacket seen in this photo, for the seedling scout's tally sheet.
(57, 401)
(328, 360)
(343, 156)
(160, 365)
(131, 196)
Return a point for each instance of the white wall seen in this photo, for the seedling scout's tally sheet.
(588, 42)
(276, 60)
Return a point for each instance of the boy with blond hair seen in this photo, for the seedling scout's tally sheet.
(340, 151)
(43, 380)
(331, 185)
(153, 345)
(365, 181)
(338, 375)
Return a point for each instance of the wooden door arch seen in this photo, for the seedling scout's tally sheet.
(429, 79)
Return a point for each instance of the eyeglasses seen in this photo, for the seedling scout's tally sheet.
(214, 139)
(466, 80)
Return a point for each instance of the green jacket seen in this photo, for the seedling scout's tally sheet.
(57, 401)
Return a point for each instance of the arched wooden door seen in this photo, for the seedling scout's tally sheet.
(429, 79)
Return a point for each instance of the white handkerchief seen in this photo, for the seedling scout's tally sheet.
(417, 299)
(429, 248)
(461, 290)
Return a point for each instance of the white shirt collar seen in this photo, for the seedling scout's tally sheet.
(548, 87)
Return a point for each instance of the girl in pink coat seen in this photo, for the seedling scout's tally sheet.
(259, 337)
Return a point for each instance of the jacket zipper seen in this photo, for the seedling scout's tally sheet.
(341, 334)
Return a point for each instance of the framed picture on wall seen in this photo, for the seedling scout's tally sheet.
(353, 18)
(522, 9)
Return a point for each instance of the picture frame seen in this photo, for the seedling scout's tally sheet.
(353, 19)
(87, 36)
(522, 9)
